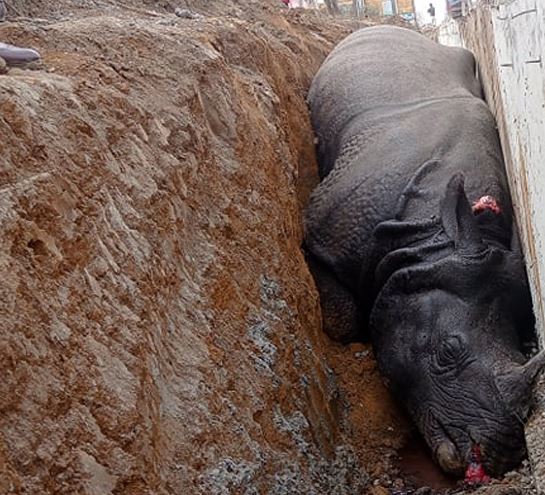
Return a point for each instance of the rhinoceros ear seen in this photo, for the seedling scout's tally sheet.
(457, 217)
(515, 385)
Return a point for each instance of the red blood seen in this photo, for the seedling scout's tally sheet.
(486, 203)
(475, 473)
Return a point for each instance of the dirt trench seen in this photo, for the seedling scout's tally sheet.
(160, 328)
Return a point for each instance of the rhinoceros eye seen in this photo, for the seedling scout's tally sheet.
(451, 351)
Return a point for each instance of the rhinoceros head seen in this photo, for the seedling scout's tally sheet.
(446, 327)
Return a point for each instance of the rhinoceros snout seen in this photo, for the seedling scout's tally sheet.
(449, 458)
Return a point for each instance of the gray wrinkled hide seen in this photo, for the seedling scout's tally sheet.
(406, 144)
(380, 113)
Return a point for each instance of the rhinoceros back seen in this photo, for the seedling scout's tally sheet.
(378, 67)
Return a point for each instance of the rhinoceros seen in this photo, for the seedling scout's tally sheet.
(411, 239)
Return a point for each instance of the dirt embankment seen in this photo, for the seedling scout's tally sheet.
(160, 330)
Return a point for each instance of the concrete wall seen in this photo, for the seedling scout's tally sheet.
(508, 39)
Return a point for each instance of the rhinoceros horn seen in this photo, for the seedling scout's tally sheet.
(515, 386)
(457, 217)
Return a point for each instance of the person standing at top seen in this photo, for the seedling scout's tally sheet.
(431, 11)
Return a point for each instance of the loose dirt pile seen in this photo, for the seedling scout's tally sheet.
(160, 329)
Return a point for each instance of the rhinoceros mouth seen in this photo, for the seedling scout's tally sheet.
(445, 448)
(470, 452)
(449, 458)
